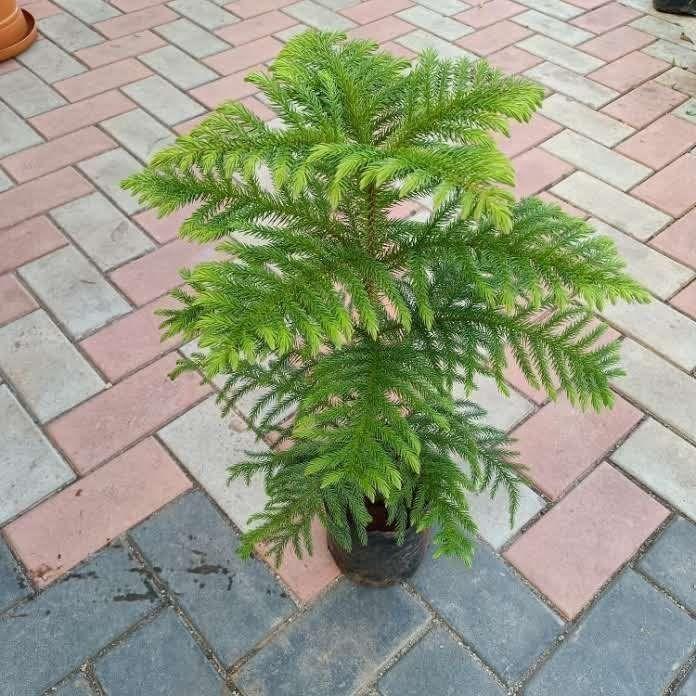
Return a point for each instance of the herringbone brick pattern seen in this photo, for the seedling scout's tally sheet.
(94, 438)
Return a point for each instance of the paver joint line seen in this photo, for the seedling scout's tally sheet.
(96, 443)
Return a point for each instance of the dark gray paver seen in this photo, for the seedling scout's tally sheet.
(159, 659)
(495, 613)
(46, 638)
(13, 584)
(688, 688)
(633, 641)
(671, 562)
(337, 646)
(75, 686)
(438, 666)
(233, 603)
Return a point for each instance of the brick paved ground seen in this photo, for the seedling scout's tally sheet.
(117, 565)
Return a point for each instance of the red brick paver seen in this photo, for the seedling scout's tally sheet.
(118, 417)
(629, 71)
(252, 53)
(559, 444)
(28, 241)
(159, 271)
(617, 43)
(606, 17)
(83, 113)
(62, 531)
(58, 153)
(575, 548)
(644, 104)
(40, 195)
(15, 301)
(130, 342)
(118, 49)
(536, 170)
(136, 21)
(686, 300)
(493, 38)
(369, 11)
(661, 142)
(671, 189)
(679, 240)
(102, 79)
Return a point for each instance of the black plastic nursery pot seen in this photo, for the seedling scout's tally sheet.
(382, 561)
(685, 7)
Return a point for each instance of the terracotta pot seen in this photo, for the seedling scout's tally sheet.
(382, 561)
(17, 29)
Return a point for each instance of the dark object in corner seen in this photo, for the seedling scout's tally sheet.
(684, 7)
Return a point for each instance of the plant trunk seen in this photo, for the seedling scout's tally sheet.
(17, 29)
(382, 561)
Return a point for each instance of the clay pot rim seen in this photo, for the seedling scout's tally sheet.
(24, 43)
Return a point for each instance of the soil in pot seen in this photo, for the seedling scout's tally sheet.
(382, 561)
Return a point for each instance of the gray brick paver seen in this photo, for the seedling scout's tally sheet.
(107, 236)
(5, 182)
(69, 32)
(552, 27)
(192, 38)
(658, 273)
(204, 443)
(50, 62)
(434, 22)
(160, 659)
(487, 604)
(16, 135)
(53, 634)
(30, 469)
(632, 642)
(178, 67)
(89, 11)
(46, 369)
(337, 646)
(560, 54)
(439, 666)
(597, 160)
(572, 84)
(75, 686)
(659, 388)
(108, 170)
(74, 290)
(664, 462)
(204, 13)
(139, 132)
(671, 561)
(27, 94)
(13, 585)
(586, 120)
(611, 205)
(317, 16)
(233, 603)
(555, 8)
(162, 99)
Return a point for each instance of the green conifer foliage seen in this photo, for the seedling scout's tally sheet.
(325, 307)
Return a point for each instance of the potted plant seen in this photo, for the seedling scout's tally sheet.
(327, 307)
